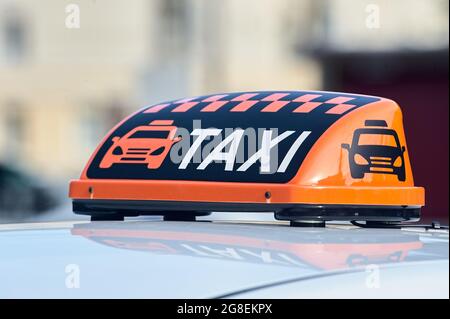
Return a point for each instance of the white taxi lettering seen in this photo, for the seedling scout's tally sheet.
(227, 150)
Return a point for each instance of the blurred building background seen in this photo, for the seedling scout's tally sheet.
(62, 89)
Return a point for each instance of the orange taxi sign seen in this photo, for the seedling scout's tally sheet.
(303, 155)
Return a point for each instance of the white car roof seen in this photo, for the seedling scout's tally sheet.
(203, 259)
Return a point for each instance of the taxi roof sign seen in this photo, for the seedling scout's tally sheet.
(305, 155)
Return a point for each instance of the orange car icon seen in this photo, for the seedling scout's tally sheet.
(148, 144)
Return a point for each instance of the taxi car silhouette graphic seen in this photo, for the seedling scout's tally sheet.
(144, 144)
(376, 149)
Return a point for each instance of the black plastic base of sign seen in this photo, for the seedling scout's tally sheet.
(298, 214)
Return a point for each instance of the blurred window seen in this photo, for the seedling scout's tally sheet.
(14, 35)
(175, 23)
(15, 128)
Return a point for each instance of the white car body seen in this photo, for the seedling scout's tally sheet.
(203, 259)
